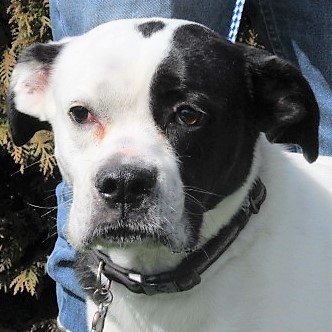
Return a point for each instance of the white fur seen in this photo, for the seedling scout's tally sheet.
(115, 83)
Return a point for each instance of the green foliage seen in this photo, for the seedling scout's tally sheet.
(48, 325)
(27, 22)
(27, 235)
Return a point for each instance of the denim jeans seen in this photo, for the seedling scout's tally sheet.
(70, 296)
(298, 30)
(71, 17)
(301, 32)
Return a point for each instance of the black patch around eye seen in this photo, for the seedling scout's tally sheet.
(149, 28)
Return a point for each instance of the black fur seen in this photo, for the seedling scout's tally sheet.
(207, 73)
(243, 92)
(283, 104)
(42, 53)
(149, 28)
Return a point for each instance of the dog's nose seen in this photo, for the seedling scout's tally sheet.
(126, 184)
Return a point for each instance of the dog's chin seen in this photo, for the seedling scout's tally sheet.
(123, 237)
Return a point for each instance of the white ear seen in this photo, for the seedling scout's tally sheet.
(30, 91)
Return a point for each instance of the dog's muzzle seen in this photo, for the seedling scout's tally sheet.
(127, 204)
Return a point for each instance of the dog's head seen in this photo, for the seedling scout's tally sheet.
(155, 123)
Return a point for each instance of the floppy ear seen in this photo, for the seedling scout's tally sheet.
(283, 104)
(29, 91)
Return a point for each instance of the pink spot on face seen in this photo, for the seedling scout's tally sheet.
(36, 83)
(99, 132)
(129, 152)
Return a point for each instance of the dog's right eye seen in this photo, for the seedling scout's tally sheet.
(187, 115)
(81, 115)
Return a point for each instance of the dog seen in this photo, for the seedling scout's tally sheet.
(186, 214)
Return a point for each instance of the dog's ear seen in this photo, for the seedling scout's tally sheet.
(29, 91)
(283, 104)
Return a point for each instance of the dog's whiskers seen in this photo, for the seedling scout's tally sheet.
(42, 207)
(195, 200)
(201, 191)
(49, 212)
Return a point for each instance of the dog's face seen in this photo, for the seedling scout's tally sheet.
(155, 123)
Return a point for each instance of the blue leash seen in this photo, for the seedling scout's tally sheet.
(236, 19)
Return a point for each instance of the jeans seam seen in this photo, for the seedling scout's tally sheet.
(271, 28)
(60, 19)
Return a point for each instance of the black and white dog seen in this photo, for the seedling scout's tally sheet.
(160, 129)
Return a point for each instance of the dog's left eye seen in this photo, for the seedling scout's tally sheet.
(187, 115)
(81, 115)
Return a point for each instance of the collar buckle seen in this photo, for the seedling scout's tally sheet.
(165, 283)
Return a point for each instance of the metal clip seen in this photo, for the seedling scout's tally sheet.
(104, 297)
(98, 320)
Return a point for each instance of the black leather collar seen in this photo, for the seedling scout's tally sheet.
(187, 274)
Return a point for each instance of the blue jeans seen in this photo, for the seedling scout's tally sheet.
(70, 19)
(301, 32)
(298, 30)
(70, 296)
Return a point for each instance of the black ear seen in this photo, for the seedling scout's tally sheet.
(283, 104)
(27, 96)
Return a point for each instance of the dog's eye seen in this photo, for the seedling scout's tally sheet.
(80, 114)
(186, 115)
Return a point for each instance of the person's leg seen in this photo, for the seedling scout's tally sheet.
(301, 31)
(69, 18)
(70, 296)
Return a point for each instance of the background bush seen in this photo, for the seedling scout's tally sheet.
(27, 203)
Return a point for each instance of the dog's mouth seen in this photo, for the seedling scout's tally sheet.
(126, 235)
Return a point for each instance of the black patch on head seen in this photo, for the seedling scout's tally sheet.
(241, 95)
(151, 27)
(206, 72)
(42, 53)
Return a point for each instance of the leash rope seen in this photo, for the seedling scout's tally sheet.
(236, 19)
